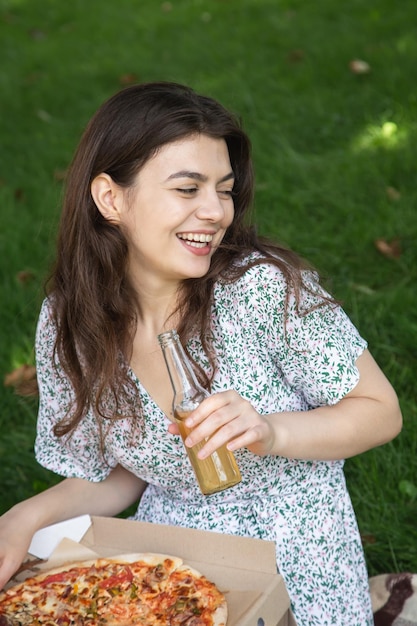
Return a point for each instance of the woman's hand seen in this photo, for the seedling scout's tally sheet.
(69, 498)
(227, 418)
(15, 538)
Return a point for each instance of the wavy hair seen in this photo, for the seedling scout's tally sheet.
(94, 304)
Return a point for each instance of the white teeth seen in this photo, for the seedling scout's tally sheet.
(196, 237)
(196, 244)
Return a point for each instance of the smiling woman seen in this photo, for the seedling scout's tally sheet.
(153, 235)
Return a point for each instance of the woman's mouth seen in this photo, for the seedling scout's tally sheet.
(196, 240)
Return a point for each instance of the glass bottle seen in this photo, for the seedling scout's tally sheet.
(219, 471)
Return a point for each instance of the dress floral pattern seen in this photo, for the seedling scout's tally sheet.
(279, 364)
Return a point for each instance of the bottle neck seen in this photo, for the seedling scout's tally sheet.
(187, 390)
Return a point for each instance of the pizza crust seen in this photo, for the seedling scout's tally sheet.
(147, 557)
(220, 615)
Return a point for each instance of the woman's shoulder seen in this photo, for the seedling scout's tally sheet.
(264, 286)
(46, 317)
(46, 330)
(253, 289)
(257, 265)
(256, 273)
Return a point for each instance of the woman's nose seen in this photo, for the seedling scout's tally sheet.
(211, 207)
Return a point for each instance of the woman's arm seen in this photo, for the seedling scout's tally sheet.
(69, 498)
(366, 417)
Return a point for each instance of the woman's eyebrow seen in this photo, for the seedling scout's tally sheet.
(197, 176)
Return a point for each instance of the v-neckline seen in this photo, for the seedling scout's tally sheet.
(144, 391)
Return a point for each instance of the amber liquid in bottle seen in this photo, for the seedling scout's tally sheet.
(215, 473)
(219, 471)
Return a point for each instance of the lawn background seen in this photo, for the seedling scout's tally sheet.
(335, 156)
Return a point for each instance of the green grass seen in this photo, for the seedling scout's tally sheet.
(327, 146)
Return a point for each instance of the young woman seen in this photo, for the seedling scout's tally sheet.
(154, 236)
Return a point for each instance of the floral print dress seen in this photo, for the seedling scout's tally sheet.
(279, 364)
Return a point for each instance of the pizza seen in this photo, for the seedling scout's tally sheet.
(146, 589)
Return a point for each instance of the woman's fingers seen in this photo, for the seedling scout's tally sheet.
(227, 418)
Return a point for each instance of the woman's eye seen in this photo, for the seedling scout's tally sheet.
(188, 191)
(226, 193)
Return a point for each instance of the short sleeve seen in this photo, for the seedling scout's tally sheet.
(313, 342)
(321, 347)
(78, 455)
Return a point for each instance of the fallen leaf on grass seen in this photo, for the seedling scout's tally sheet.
(25, 276)
(44, 115)
(295, 56)
(392, 193)
(368, 291)
(357, 66)
(60, 175)
(368, 539)
(128, 79)
(23, 380)
(390, 249)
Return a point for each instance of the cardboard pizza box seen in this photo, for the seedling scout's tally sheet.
(244, 569)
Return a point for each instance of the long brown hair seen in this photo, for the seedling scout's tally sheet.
(94, 305)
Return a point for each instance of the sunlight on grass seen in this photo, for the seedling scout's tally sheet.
(388, 136)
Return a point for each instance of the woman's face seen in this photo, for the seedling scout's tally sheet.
(178, 210)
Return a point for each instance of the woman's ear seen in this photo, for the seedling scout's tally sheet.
(108, 197)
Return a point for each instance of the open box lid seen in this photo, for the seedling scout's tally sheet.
(202, 546)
